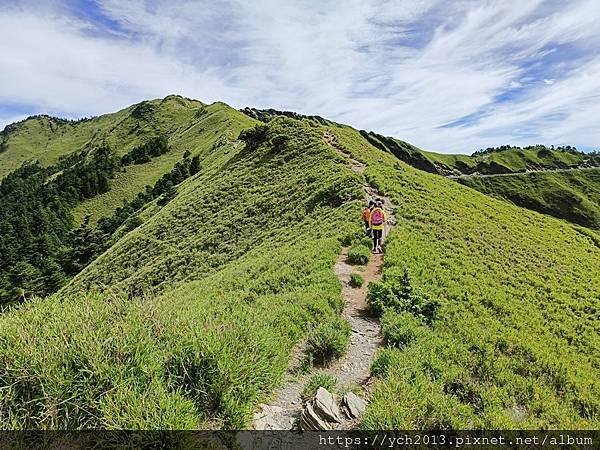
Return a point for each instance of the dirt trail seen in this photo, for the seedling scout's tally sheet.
(351, 370)
(331, 140)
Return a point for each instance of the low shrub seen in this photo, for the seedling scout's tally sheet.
(397, 293)
(356, 237)
(319, 379)
(340, 191)
(353, 235)
(254, 137)
(132, 223)
(279, 142)
(400, 329)
(356, 280)
(359, 255)
(328, 340)
(379, 297)
(366, 241)
(346, 240)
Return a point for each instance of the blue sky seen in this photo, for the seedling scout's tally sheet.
(447, 76)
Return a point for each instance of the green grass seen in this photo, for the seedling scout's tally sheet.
(573, 195)
(47, 139)
(516, 342)
(397, 293)
(451, 161)
(400, 329)
(211, 136)
(509, 160)
(356, 280)
(328, 340)
(209, 351)
(359, 254)
(225, 211)
(228, 277)
(200, 305)
(188, 124)
(506, 161)
(319, 379)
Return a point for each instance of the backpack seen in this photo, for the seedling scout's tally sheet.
(377, 216)
(366, 214)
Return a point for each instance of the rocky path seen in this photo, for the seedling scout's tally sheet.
(351, 370)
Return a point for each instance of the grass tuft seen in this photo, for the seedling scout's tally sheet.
(356, 280)
(328, 340)
(319, 379)
(397, 293)
(400, 329)
(359, 255)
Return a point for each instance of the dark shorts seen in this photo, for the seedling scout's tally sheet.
(377, 234)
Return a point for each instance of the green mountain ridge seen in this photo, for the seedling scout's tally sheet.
(188, 316)
(559, 182)
(505, 160)
(47, 138)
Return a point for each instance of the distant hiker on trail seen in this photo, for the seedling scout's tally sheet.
(366, 215)
(377, 222)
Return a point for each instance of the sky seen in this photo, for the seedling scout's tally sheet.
(448, 76)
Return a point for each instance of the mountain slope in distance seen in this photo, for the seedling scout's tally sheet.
(572, 195)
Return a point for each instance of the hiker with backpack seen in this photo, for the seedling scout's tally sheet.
(366, 215)
(377, 222)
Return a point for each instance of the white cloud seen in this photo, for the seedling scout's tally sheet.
(404, 68)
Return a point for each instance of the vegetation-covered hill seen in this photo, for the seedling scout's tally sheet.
(571, 195)
(514, 342)
(245, 249)
(231, 207)
(560, 181)
(188, 318)
(501, 160)
(46, 139)
(134, 156)
(512, 160)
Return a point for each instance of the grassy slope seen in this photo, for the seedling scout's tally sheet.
(220, 216)
(574, 196)
(246, 251)
(512, 160)
(243, 258)
(450, 160)
(208, 131)
(188, 124)
(200, 129)
(506, 161)
(46, 139)
(518, 343)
